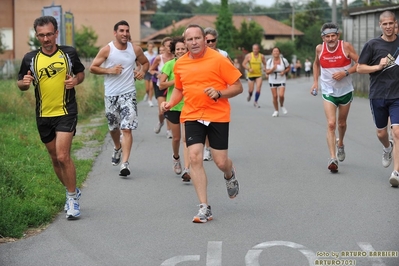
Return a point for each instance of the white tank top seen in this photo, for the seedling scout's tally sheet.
(116, 85)
(160, 66)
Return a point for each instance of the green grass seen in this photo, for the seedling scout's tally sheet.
(30, 193)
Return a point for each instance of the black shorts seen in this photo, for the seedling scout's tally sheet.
(253, 78)
(47, 126)
(173, 116)
(276, 85)
(158, 92)
(147, 76)
(218, 134)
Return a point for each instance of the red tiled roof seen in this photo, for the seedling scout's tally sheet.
(269, 25)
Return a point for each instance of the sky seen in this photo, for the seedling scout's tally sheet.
(269, 3)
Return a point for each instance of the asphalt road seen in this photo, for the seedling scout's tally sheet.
(291, 211)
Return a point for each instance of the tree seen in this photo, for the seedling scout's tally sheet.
(85, 40)
(2, 44)
(171, 10)
(249, 34)
(287, 49)
(33, 43)
(225, 28)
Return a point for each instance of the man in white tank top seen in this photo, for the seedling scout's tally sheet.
(116, 61)
(335, 61)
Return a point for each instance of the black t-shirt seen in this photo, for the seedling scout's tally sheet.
(384, 84)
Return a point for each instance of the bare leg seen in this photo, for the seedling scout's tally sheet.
(59, 150)
(330, 112)
(197, 172)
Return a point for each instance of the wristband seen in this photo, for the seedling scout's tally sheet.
(219, 94)
(346, 72)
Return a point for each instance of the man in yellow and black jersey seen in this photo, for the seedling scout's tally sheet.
(55, 71)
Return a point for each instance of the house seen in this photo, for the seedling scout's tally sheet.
(17, 16)
(361, 25)
(273, 29)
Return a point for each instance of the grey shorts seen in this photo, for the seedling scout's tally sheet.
(121, 111)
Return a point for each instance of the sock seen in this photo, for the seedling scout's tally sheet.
(389, 149)
(71, 195)
(178, 157)
(257, 94)
(204, 205)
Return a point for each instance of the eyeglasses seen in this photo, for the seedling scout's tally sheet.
(212, 40)
(48, 35)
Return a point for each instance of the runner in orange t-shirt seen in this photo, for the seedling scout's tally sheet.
(206, 79)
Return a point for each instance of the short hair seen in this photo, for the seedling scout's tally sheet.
(387, 14)
(329, 25)
(174, 41)
(150, 42)
(195, 26)
(211, 31)
(44, 20)
(166, 39)
(122, 22)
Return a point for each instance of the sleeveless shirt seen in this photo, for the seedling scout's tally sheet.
(116, 85)
(330, 63)
(256, 66)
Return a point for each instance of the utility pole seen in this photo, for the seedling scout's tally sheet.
(334, 11)
(293, 23)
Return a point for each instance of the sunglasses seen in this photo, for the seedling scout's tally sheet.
(213, 40)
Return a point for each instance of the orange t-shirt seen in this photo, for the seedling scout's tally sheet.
(193, 76)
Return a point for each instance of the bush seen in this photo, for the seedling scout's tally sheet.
(30, 192)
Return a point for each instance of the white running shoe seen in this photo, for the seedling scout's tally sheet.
(73, 209)
(169, 134)
(125, 170)
(207, 154)
(145, 97)
(387, 156)
(176, 166)
(284, 110)
(158, 127)
(150, 104)
(275, 114)
(394, 179)
(340, 152)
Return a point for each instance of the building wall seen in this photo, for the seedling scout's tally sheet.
(101, 15)
(358, 29)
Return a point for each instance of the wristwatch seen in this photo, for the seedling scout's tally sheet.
(346, 72)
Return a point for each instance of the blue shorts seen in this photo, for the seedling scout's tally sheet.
(381, 109)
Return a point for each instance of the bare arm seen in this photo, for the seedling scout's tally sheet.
(164, 83)
(154, 66)
(100, 58)
(351, 53)
(366, 69)
(245, 62)
(142, 60)
(264, 63)
(24, 84)
(316, 68)
(175, 98)
(72, 81)
(231, 91)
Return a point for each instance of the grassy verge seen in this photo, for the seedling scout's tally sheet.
(30, 193)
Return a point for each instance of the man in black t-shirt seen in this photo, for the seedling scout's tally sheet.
(378, 59)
